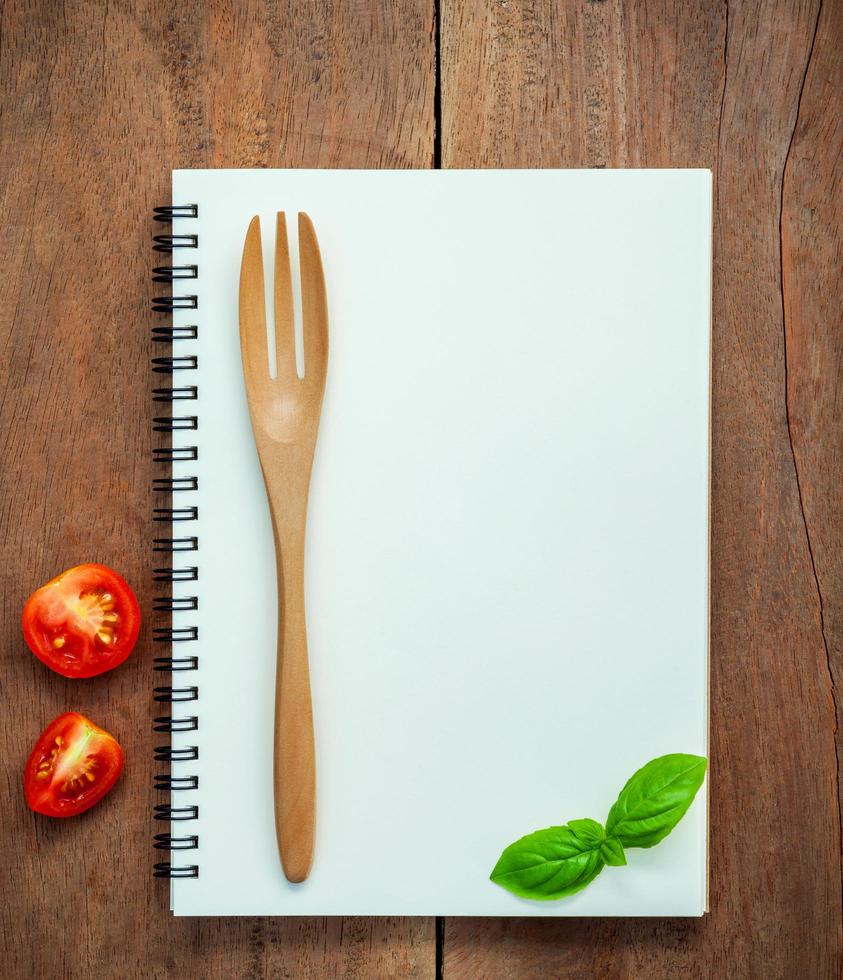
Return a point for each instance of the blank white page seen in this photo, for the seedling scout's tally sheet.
(507, 552)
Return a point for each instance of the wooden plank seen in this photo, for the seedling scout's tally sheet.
(696, 84)
(812, 264)
(100, 101)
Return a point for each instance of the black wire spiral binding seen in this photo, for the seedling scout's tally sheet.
(168, 484)
(164, 334)
(169, 243)
(175, 544)
(175, 423)
(166, 304)
(175, 454)
(168, 603)
(176, 783)
(171, 515)
(173, 695)
(170, 273)
(169, 365)
(175, 634)
(167, 842)
(169, 723)
(164, 869)
(166, 753)
(189, 574)
(185, 393)
(170, 211)
(164, 811)
(167, 513)
(171, 664)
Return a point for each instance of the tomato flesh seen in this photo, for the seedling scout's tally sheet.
(83, 622)
(73, 765)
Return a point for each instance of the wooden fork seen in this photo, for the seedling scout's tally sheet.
(285, 420)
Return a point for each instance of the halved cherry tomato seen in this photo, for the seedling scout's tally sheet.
(73, 765)
(83, 622)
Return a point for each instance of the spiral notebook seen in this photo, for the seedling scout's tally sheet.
(507, 544)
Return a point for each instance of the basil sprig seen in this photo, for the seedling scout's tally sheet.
(551, 863)
(655, 799)
(560, 861)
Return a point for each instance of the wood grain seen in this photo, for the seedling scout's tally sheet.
(697, 84)
(812, 265)
(100, 101)
(285, 413)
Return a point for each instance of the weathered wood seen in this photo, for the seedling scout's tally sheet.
(100, 101)
(812, 266)
(694, 84)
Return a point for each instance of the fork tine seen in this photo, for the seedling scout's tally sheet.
(253, 306)
(285, 336)
(314, 303)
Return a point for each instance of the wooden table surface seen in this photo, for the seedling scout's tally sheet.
(101, 100)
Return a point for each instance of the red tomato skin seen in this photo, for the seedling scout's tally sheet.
(41, 796)
(82, 666)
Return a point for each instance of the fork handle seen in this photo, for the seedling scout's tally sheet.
(294, 758)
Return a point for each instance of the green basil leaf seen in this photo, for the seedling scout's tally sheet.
(588, 831)
(611, 850)
(551, 863)
(655, 799)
